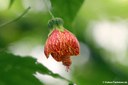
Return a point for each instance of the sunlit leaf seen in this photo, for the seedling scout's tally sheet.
(16, 70)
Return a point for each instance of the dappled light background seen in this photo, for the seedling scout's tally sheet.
(101, 27)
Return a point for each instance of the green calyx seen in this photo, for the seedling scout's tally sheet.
(55, 23)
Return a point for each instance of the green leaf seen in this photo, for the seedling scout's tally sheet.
(16, 70)
(66, 9)
(10, 4)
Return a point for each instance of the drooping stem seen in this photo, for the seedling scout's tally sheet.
(14, 20)
(46, 4)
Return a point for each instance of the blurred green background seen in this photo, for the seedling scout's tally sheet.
(101, 27)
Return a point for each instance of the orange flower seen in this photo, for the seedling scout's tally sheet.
(61, 43)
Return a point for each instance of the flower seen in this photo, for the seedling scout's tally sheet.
(61, 43)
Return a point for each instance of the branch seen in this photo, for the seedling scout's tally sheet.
(16, 19)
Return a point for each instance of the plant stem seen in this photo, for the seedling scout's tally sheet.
(16, 19)
(48, 9)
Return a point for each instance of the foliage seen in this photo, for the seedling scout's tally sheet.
(20, 70)
(68, 8)
(79, 17)
(17, 70)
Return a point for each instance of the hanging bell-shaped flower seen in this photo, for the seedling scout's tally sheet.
(61, 43)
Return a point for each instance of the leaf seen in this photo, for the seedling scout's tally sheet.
(10, 4)
(16, 70)
(66, 9)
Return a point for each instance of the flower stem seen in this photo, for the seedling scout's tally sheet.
(46, 4)
(16, 19)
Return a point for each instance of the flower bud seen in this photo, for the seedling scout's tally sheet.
(61, 44)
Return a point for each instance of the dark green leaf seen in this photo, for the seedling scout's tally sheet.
(11, 2)
(16, 70)
(66, 9)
